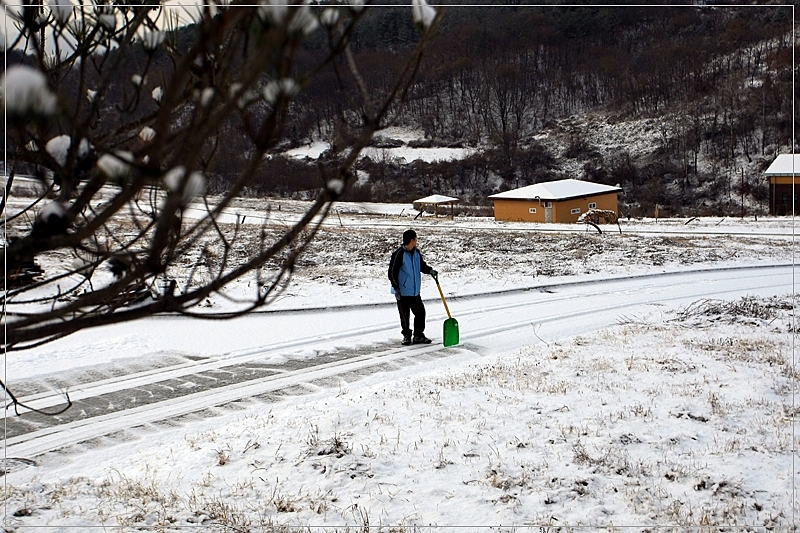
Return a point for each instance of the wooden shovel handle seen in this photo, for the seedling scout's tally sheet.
(443, 300)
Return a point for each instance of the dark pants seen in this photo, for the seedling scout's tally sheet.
(407, 305)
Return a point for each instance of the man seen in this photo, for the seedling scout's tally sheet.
(405, 267)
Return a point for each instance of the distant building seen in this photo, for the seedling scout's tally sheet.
(782, 174)
(554, 201)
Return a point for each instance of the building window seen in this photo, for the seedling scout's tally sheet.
(593, 205)
(548, 204)
(532, 210)
(576, 211)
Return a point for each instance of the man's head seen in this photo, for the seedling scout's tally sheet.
(408, 236)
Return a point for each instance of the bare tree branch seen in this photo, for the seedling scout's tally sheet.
(126, 154)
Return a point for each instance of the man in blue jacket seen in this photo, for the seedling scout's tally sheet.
(405, 267)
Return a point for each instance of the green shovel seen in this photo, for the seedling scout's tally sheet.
(450, 334)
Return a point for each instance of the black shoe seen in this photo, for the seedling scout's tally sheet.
(421, 339)
(406, 340)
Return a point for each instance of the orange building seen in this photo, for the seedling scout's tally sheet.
(782, 174)
(560, 201)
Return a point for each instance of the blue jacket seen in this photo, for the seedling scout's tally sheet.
(405, 267)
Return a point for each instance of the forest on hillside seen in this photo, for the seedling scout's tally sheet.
(502, 79)
(718, 81)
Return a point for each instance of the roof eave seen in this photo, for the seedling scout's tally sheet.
(554, 198)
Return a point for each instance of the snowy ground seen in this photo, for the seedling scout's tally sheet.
(667, 414)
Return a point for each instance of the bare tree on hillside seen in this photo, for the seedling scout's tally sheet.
(117, 112)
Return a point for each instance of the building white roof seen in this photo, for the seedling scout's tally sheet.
(556, 190)
(784, 165)
(436, 199)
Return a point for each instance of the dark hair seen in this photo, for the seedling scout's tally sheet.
(408, 236)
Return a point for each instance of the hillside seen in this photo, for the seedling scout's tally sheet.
(674, 104)
(682, 106)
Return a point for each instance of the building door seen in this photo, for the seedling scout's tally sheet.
(548, 211)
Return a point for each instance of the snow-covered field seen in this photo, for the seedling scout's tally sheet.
(616, 402)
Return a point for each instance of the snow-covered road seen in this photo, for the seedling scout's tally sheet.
(190, 366)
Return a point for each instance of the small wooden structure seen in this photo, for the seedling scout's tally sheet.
(436, 200)
(782, 174)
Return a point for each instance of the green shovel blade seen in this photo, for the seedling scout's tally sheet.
(450, 335)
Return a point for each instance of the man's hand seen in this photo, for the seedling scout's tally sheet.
(397, 295)
(435, 274)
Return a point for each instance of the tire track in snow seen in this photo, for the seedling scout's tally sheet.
(46, 399)
(60, 436)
